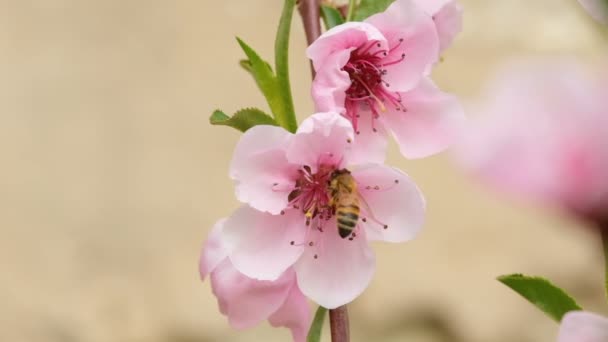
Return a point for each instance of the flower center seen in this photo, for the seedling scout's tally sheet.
(366, 69)
(311, 192)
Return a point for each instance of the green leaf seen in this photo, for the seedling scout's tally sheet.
(314, 334)
(265, 79)
(554, 301)
(331, 16)
(287, 118)
(368, 8)
(242, 120)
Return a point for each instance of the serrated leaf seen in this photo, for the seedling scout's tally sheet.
(243, 119)
(368, 8)
(314, 333)
(264, 77)
(552, 300)
(331, 16)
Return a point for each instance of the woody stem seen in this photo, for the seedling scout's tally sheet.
(338, 323)
(309, 11)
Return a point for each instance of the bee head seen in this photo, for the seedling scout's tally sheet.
(337, 173)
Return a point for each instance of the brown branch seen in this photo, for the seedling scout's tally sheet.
(309, 11)
(338, 323)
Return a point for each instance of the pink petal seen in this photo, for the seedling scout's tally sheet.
(258, 163)
(403, 19)
(246, 301)
(580, 326)
(322, 138)
(213, 251)
(331, 83)
(447, 15)
(341, 271)
(598, 9)
(369, 146)
(259, 244)
(341, 38)
(396, 202)
(430, 123)
(293, 314)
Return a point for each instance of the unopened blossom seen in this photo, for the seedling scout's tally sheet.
(598, 9)
(581, 326)
(289, 219)
(375, 72)
(247, 302)
(544, 136)
(447, 15)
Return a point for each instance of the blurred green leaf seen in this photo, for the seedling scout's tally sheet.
(243, 119)
(287, 117)
(554, 301)
(314, 334)
(331, 16)
(368, 8)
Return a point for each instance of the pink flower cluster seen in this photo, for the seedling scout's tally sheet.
(545, 136)
(314, 200)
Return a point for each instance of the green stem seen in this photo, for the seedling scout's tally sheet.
(352, 4)
(281, 57)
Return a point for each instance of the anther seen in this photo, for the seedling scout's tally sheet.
(349, 141)
(275, 184)
(311, 243)
(363, 219)
(292, 243)
(385, 226)
(378, 45)
(358, 132)
(396, 181)
(350, 238)
(400, 40)
(376, 187)
(316, 256)
(282, 212)
(374, 129)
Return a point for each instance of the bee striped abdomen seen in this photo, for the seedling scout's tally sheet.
(347, 216)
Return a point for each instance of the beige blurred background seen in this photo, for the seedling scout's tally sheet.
(111, 177)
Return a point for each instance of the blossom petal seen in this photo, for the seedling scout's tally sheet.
(259, 244)
(340, 38)
(419, 48)
(293, 314)
(341, 270)
(213, 252)
(430, 123)
(389, 198)
(323, 138)
(331, 82)
(260, 168)
(247, 301)
(369, 146)
(580, 326)
(598, 9)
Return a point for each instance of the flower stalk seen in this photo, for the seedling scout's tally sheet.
(603, 226)
(309, 12)
(338, 323)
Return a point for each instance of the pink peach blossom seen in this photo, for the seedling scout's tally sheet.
(375, 74)
(247, 301)
(288, 221)
(447, 15)
(581, 326)
(598, 9)
(545, 136)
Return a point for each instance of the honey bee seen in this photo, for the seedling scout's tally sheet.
(344, 201)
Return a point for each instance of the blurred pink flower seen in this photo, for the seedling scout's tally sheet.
(580, 326)
(598, 9)
(447, 15)
(247, 301)
(545, 136)
(289, 221)
(374, 73)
